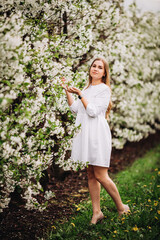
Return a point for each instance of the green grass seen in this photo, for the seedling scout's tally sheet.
(139, 186)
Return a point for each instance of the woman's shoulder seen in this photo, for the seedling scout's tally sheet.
(103, 90)
(103, 87)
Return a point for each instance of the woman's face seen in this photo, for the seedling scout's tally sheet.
(97, 70)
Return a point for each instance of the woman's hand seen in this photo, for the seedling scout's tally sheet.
(74, 90)
(63, 83)
(69, 89)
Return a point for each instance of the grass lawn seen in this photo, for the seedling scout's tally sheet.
(139, 187)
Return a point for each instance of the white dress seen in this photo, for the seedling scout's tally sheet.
(92, 144)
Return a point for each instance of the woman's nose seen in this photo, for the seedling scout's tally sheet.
(96, 68)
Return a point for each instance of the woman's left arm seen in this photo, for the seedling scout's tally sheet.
(100, 104)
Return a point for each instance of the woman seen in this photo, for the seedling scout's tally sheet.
(92, 145)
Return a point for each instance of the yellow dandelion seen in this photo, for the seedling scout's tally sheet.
(149, 227)
(114, 235)
(135, 228)
(144, 185)
(123, 219)
(159, 173)
(115, 231)
(158, 211)
(128, 201)
(149, 200)
(156, 169)
(126, 231)
(54, 227)
(158, 185)
(78, 209)
(73, 224)
(156, 218)
(122, 222)
(155, 203)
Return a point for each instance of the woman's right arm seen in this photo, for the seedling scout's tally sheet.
(73, 105)
(69, 98)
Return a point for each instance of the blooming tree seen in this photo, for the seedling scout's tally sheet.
(41, 41)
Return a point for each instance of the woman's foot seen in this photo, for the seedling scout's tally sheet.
(97, 217)
(125, 210)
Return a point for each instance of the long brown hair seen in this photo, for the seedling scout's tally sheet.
(105, 79)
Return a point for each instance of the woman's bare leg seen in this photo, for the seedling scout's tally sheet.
(94, 189)
(101, 174)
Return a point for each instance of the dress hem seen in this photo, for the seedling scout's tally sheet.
(98, 165)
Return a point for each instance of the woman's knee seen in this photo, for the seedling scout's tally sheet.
(101, 175)
(90, 172)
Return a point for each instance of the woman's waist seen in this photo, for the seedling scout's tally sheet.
(84, 118)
